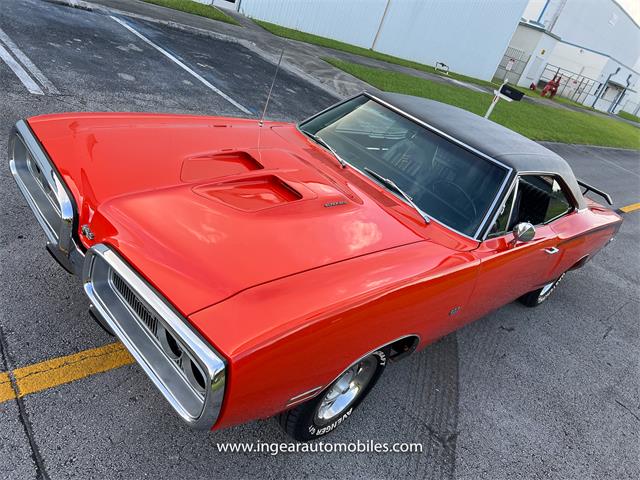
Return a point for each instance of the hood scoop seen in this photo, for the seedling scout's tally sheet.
(251, 194)
(215, 165)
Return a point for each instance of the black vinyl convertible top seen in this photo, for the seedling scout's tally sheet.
(490, 138)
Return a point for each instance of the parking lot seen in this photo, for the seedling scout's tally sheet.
(551, 392)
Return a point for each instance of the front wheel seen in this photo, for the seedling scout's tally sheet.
(334, 405)
(536, 297)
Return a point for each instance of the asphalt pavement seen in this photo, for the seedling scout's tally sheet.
(552, 392)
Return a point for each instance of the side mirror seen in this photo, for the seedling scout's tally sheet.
(523, 232)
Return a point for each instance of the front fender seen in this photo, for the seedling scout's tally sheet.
(298, 333)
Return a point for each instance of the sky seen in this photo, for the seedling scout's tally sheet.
(632, 7)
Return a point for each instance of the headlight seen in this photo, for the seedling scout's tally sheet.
(176, 351)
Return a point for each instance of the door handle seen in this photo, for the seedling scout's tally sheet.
(552, 250)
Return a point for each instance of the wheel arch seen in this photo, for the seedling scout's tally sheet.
(580, 263)
(404, 346)
(399, 348)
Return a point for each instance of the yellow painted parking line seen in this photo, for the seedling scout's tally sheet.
(6, 390)
(58, 371)
(630, 208)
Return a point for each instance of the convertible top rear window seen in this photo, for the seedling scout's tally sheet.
(447, 182)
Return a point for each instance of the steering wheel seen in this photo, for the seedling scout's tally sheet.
(470, 203)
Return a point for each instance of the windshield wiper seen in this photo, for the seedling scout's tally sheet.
(387, 182)
(322, 142)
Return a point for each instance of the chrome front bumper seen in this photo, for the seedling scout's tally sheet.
(183, 366)
(186, 370)
(46, 194)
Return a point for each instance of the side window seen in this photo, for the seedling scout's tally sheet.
(537, 199)
(540, 200)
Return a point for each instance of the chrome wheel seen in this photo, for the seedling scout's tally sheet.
(325, 412)
(548, 288)
(345, 390)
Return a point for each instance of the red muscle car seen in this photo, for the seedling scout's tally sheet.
(273, 269)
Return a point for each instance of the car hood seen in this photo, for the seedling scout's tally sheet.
(201, 212)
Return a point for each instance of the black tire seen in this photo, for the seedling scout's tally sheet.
(302, 422)
(538, 296)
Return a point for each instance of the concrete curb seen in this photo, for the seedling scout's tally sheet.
(82, 5)
(271, 58)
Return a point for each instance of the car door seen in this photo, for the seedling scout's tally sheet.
(509, 268)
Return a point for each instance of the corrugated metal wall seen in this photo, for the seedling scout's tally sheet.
(602, 26)
(468, 35)
(351, 21)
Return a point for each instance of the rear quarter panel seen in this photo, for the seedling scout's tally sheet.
(584, 233)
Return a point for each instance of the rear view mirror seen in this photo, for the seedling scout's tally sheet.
(524, 232)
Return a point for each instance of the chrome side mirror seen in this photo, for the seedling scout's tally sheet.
(523, 232)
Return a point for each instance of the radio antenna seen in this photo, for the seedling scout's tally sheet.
(273, 82)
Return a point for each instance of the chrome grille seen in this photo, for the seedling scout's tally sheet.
(136, 305)
(188, 368)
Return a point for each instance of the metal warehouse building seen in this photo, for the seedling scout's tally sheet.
(592, 45)
(468, 36)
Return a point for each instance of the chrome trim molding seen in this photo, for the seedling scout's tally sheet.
(516, 187)
(37, 178)
(199, 408)
(513, 186)
(304, 396)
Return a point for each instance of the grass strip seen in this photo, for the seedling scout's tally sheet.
(538, 122)
(200, 9)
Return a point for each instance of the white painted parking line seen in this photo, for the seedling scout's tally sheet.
(203, 80)
(28, 64)
(20, 72)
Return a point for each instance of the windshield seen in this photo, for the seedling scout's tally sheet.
(448, 183)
